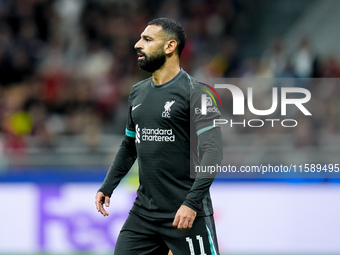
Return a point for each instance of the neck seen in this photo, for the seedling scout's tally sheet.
(167, 72)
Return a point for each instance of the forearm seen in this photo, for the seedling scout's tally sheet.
(121, 165)
(211, 146)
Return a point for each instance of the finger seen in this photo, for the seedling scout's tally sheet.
(176, 221)
(105, 213)
(190, 222)
(99, 204)
(185, 224)
(102, 210)
(182, 223)
(107, 201)
(100, 207)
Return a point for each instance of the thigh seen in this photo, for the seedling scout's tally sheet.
(138, 237)
(200, 239)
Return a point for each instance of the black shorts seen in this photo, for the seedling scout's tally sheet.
(143, 235)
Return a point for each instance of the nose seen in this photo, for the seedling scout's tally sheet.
(138, 45)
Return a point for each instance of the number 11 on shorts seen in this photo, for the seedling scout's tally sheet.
(191, 245)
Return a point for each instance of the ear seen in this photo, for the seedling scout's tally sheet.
(170, 46)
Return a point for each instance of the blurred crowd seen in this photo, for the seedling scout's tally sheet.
(67, 66)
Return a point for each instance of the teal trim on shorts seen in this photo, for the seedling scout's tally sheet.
(205, 129)
(130, 133)
(212, 247)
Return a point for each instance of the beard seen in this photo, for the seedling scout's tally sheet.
(151, 63)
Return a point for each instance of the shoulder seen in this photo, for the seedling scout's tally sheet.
(141, 83)
(194, 83)
(197, 87)
(194, 87)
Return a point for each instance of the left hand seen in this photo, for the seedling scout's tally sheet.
(184, 218)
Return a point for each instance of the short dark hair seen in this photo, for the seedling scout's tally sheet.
(173, 29)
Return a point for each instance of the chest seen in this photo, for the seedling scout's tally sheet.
(161, 108)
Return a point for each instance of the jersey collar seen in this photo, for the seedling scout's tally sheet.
(167, 84)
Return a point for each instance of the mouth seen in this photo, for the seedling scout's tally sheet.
(140, 56)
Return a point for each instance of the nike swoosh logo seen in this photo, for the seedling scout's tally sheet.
(134, 107)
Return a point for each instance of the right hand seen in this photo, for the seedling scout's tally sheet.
(100, 200)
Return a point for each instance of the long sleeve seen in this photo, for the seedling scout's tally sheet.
(211, 147)
(121, 165)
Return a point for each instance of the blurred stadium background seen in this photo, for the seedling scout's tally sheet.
(66, 68)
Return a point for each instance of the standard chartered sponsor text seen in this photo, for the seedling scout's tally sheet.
(157, 135)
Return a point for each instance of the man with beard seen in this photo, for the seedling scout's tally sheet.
(172, 211)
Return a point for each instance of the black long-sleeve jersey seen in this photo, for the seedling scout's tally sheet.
(168, 134)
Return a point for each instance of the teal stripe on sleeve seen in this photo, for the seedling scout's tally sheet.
(205, 129)
(130, 133)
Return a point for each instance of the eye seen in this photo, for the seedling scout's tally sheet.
(147, 38)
